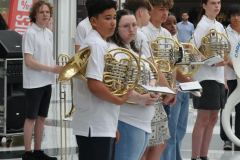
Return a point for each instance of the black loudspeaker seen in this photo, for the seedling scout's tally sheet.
(15, 113)
(10, 44)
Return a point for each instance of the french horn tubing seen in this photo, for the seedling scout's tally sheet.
(167, 48)
(165, 54)
(149, 75)
(121, 71)
(191, 61)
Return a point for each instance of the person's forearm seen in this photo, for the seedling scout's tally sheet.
(162, 80)
(101, 91)
(33, 64)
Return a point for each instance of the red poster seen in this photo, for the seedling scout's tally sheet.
(19, 15)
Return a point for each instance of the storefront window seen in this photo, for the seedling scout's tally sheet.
(16, 13)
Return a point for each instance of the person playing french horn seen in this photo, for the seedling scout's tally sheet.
(160, 131)
(134, 122)
(97, 109)
(135, 116)
(179, 111)
(211, 78)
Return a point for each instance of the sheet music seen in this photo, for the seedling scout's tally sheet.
(190, 86)
(213, 60)
(158, 89)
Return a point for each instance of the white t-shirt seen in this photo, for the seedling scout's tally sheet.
(38, 42)
(234, 38)
(136, 115)
(152, 33)
(94, 115)
(142, 43)
(83, 28)
(207, 72)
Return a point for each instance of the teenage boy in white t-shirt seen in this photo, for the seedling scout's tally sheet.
(95, 121)
(38, 76)
(158, 15)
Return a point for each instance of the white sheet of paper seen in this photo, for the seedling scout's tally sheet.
(213, 60)
(158, 89)
(190, 86)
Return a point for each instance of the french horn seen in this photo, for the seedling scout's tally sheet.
(191, 60)
(215, 44)
(167, 48)
(148, 72)
(120, 74)
(232, 101)
(165, 54)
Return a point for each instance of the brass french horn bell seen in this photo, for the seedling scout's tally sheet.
(76, 65)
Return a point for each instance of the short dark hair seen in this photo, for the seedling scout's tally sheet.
(35, 8)
(96, 7)
(165, 3)
(233, 10)
(134, 5)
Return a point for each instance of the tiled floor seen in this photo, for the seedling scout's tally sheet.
(52, 138)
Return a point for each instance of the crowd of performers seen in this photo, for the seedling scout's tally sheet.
(136, 125)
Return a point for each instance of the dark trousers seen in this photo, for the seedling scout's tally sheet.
(95, 148)
(232, 84)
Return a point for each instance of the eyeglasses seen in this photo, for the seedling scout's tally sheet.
(128, 26)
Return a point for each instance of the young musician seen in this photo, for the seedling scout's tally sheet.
(211, 79)
(96, 118)
(134, 122)
(141, 9)
(158, 15)
(178, 114)
(38, 76)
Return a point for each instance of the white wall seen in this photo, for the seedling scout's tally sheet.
(66, 26)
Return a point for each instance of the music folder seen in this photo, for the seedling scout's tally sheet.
(190, 86)
(213, 60)
(158, 89)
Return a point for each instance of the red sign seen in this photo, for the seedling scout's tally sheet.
(19, 15)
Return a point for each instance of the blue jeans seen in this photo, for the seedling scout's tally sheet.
(177, 126)
(132, 144)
